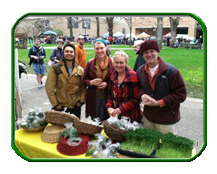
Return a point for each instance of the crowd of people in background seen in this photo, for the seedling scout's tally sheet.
(181, 40)
(52, 39)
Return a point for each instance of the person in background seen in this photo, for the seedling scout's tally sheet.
(37, 55)
(110, 40)
(64, 84)
(123, 90)
(139, 60)
(176, 44)
(68, 40)
(96, 78)
(162, 90)
(200, 41)
(108, 52)
(57, 53)
(80, 58)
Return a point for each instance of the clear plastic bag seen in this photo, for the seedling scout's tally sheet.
(75, 141)
(95, 121)
(110, 151)
(102, 148)
(70, 131)
(34, 118)
(124, 123)
(91, 148)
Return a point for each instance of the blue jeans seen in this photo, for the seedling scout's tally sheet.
(39, 68)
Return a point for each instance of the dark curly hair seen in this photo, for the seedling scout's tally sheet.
(64, 60)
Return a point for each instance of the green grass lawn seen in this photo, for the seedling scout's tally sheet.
(188, 61)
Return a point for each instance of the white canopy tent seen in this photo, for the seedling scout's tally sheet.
(118, 34)
(143, 34)
(105, 35)
(168, 34)
(132, 35)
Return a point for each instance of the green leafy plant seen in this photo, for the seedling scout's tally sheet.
(69, 133)
(141, 140)
(175, 147)
(166, 145)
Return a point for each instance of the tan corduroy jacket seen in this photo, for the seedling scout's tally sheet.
(64, 89)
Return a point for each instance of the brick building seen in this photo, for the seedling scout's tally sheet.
(188, 26)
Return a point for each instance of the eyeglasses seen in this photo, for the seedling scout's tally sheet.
(149, 52)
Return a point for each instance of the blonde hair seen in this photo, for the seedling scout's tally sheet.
(120, 53)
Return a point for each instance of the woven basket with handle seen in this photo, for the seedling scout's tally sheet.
(113, 132)
(60, 118)
(86, 128)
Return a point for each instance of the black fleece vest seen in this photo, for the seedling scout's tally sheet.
(162, 87)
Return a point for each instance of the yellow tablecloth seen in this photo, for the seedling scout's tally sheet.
(31, 145)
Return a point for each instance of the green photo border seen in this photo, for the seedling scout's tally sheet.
(110, 160)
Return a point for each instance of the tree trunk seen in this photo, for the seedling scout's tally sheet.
(109, 21)
(174, 22)
(130, 26)
(70, 27)
(160, 31)
(98, 27)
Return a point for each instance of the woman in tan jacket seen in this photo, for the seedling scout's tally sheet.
(64, 85)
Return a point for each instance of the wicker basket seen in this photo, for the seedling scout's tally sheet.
(113, 132)
(86, 128)
(60, 118)
(52, 133)
(37, 129)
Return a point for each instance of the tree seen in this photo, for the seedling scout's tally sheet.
(159, 31)
(72, 22)
(26, 27)
(43, 24)
(174, 22)
(110, 23)
(70, 27)
(98, 27)
(128, 20)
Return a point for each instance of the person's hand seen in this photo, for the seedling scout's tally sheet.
(78, 104)
(103, 85)
(116, 111)
(147, 100)
(96, 82)
(110, 111)
(59, 106)
(144, 98)
(35, 57)
(56, 60)
(41, 57)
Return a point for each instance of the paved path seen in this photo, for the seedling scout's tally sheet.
(190, 125)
